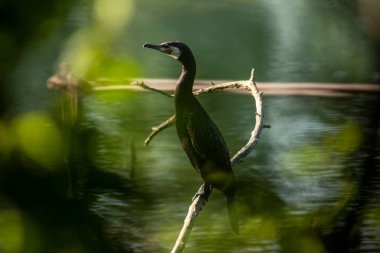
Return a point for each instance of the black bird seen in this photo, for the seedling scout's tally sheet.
(199, 136)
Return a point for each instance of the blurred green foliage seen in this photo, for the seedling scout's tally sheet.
(11, 231)
(37, 136)
(90, 51)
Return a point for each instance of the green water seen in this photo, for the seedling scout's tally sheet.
(312, 183)
(305, 171)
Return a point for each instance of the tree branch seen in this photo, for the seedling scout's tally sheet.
(156, 129)
(249, 85)
(146, 87)
(199, 201)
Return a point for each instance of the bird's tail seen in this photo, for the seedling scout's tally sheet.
(232, 214)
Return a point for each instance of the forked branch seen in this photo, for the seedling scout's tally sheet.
(199, 201)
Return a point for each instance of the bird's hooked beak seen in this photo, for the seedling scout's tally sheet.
(161, 48)
(170, 50)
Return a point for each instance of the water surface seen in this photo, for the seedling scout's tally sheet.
(307, 169)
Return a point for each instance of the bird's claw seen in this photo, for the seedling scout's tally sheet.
(203, 192)
(201, 195)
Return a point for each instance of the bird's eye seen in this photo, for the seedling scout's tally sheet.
(175, 52)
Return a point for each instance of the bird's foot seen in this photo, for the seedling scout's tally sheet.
(196, 195)
(203, 192)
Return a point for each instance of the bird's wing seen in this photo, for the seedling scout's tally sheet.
(206, 138)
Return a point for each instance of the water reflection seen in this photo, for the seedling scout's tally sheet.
(312, 182)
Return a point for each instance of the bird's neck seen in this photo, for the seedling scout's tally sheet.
(186, 80)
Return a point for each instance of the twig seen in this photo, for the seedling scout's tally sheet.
(144, 86)
(200, 201)
(155, 130)
(259, 123)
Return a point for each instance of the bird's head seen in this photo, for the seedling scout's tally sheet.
(178, 50)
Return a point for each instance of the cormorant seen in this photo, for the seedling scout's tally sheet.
(199, 136)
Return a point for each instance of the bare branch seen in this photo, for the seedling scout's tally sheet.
(249, 85)
(146, 87)
(155, 130)
(188, 223)
(259, 123)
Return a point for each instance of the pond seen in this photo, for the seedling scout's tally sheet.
(310, 185)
